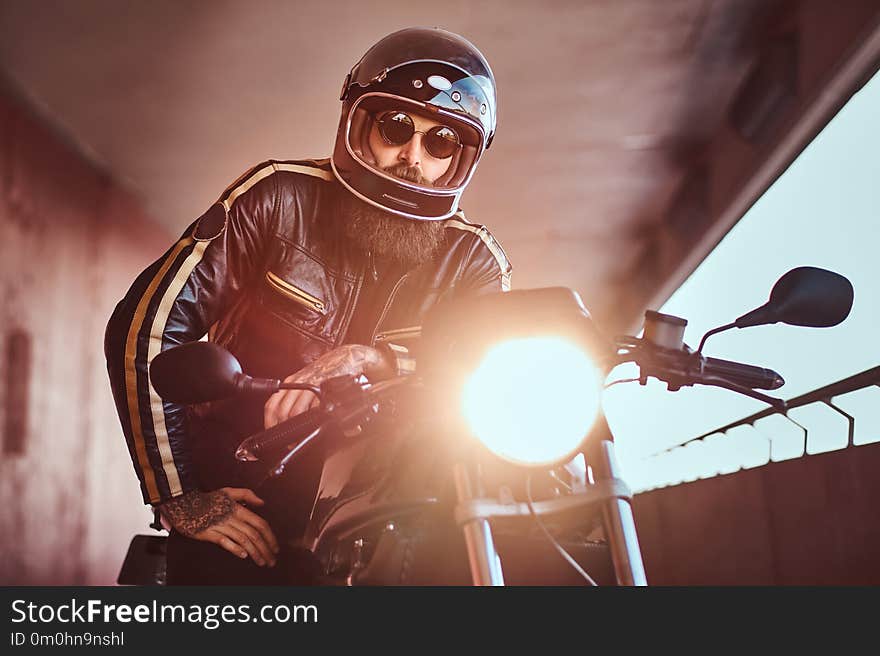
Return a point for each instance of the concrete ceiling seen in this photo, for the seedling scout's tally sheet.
(603, 105)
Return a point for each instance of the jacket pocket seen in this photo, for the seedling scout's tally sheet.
(285, 299)
(294, 293)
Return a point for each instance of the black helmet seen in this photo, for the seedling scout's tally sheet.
(430, 71)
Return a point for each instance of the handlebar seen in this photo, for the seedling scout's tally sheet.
(738, 373)
(681, 367)
(283, 435)
(347, 402)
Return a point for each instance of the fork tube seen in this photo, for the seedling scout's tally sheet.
(484, 562)
(620, 526)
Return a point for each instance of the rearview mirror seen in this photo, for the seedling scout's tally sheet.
(805, 296)
(195, 373)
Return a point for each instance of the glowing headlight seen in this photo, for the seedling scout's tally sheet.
(532, 401)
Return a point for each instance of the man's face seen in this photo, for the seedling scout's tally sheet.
(411, 160)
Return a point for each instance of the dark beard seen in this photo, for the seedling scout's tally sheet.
(371, 230)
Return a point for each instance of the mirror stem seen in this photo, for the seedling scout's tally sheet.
(713, 332)
(314, 389)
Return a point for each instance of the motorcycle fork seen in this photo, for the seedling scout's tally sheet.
(618, 522)
(485, 564)
(620, 527)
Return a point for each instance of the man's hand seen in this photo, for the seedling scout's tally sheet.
(218, 517)
(350, 359)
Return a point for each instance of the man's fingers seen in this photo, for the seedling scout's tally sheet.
(242, 540)
(270, 409)
(244, 533)
(256, 539)
(243, 495)
(286, 404)
(302, 403)
(293, 403)
(274, 410)
(218, 538)
(283, 405)
(260, 524)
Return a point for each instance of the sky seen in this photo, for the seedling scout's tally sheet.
(823, 212)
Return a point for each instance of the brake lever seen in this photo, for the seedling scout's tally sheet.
(779, 404)
(279, 468)
(343, 392)
(676, 369)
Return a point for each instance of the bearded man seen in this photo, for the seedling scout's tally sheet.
(306, 270)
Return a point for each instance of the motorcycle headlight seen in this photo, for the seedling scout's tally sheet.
(532, 401)
(521, 372)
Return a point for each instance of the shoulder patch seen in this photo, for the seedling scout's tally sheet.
(211, 224)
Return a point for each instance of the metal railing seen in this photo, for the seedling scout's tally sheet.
(827, 396)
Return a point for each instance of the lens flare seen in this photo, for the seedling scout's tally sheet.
(532, 401)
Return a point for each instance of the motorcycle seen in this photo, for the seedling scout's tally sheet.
(493, 463)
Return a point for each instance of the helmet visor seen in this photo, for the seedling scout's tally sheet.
(385, 119)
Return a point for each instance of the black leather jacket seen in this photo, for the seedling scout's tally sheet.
(266, 273)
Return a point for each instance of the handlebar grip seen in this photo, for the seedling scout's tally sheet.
(743, 374)
(284, 434)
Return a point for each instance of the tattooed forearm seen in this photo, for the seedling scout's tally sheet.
(350, 359)
(195, 511)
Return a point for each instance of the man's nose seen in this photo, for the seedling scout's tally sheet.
(411, 151)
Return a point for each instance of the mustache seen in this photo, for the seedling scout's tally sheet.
(409, 173)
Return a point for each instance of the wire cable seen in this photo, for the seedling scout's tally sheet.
(562, 552)
(621, 380)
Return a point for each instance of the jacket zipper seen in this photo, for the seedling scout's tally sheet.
(295, 293)
(387, 306)
(400, 333)
(343, 332)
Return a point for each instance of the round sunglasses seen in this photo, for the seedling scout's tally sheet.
(397, 128)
